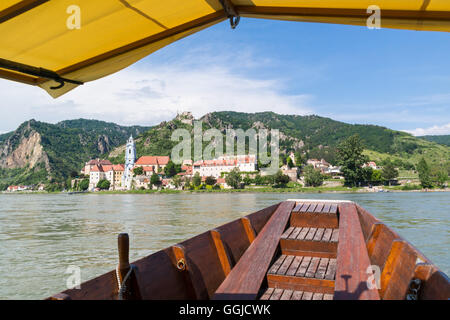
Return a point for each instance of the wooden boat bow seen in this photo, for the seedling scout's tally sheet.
(294, 250)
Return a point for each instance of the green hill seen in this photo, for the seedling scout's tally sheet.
(444, 139)
(39, 151)
(316, 136)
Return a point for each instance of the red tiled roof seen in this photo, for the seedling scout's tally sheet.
(99, 162)
(149, 169)
(153, 160)
(107, 168)
(97, 168)
(119, 167)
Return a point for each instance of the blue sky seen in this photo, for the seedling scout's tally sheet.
(394, 78)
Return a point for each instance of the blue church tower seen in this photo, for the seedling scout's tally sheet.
(130, 159)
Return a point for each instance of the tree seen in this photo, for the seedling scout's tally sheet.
(389, 172)
(351, 159)
(290, 163)
(300, 159)
(170, 170)
(138, 171)
(154, 180)
(366, 173)
(424, 174)
(233, 178)
(281, 179)
(210, 181)
(313, 177)
(258, 180)
(376, 176)
(439, 175)
(103, 184)
(84, 185)
(247, 180)
(176, 181)
(197, 180)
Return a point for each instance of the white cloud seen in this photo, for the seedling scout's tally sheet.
(435, 130)
(147, 94)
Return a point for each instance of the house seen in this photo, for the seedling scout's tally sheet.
(92, 163)
(372, 165)
(215, 167)
(112, 173)
(141, 182)
(157, 163)
(292, 173)
(321, 165)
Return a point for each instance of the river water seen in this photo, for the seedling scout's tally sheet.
(42, 235)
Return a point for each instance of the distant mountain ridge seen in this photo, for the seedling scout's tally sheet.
(41, 152)
(315, 135)
(443, 139)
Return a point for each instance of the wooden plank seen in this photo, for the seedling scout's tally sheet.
(319, 207)
(247, 276)
(285, 266)
(287, 294)
(398, 271)
(331, 270)
(327, 296)
(221, 252)
(312, 207)
(294, 266)
(286, 234)
(267, 294)
(300, 283)
(327, 234)
(277, 264)
(297, 207)
(248, 229)
(352, 259)
(295, 233)
(319, 234)
(322, 269)
(303, 267)
(379, 243)
(311, 233)
(317, 296)
(305, 207)
(276, 295)
(326, 208)
(335, 236)
(303, 233)
(333, 208)
(307, 295)
(314, 220)
(311, 272)
(297, 295)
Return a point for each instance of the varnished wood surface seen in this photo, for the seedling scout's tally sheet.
(352, 259)
(245, 280)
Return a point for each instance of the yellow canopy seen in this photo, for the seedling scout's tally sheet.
(84, 40)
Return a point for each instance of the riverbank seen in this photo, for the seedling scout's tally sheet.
(306, 190)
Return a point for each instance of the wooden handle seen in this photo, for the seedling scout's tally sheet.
(124, 250)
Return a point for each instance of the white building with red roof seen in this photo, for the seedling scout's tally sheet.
(215, 167)
(92, 163)
(156, 163)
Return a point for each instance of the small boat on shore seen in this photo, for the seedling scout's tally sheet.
(293, 250)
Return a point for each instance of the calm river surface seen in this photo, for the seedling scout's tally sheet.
(42, 235)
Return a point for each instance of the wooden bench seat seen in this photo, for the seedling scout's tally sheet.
(326, 208)
(311, 234)
(304, 266)
(287, 294)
